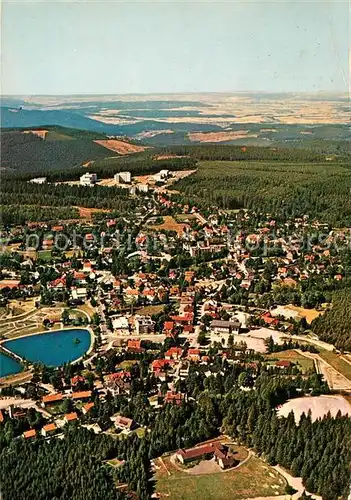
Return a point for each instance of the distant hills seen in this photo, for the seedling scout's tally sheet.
(293, 120)
(20, 117)
(17, 117)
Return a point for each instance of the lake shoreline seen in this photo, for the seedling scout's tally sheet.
(81, 331)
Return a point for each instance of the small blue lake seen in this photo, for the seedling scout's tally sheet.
(52, 349)
(8, 366)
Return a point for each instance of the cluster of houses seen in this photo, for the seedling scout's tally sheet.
(122, 179)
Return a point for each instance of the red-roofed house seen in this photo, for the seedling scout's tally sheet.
(267, 318)
(81, 395)
(124, 423)
(221, 453)
(174, 397)
(173, 353)
(51, 398)
(70, 417)
(193, 354)
(87, 407)
(58, 284)
(77, 379)
(160, 365)
(134, 344)
(48, 429)
(168, 328)
(283, 363)
(30, 434)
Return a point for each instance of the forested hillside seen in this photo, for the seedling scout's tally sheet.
(26, 152)
(320, 190)
(33, 118)
(21, 214)
(234, 153)
(319, 451)
(22, 193)
(334, 325)
(62, 469)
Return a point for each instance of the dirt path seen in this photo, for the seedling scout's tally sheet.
(346, 358)
(335, 379)
(11, 319)
(164, 465)
(16, 379)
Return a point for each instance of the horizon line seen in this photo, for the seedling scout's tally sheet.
(181, 93)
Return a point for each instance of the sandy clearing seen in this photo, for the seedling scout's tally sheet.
(170, 224)
(86, 213)
(39, 133)
(257, 344)
(153, 133)
(205, 467)
(319, 406)
(265, 333)
(167, 157)
(291, 311)
(88, 163)
(121, 147)
(220, 136)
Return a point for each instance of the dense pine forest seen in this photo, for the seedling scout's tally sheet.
(283, 181)
(21, 214)
(318, 451)
(320, 190)
(17, 193)
(26, 152)
(334, 325)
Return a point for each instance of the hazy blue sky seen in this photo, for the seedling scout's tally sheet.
(71, 47)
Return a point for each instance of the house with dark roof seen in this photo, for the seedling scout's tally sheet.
(219, 326)
(222, 454)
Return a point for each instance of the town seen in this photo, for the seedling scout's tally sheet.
(176, 302)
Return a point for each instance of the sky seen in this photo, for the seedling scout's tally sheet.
(112, 47)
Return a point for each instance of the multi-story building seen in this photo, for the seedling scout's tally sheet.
(144, 325)
(123, 177)
(88, 179)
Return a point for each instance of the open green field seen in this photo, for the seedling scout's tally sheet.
(253, 479)
(128, 363)
(150, 310)
(320, 189)
(304, 364)
(336, 362)
(45, 254)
